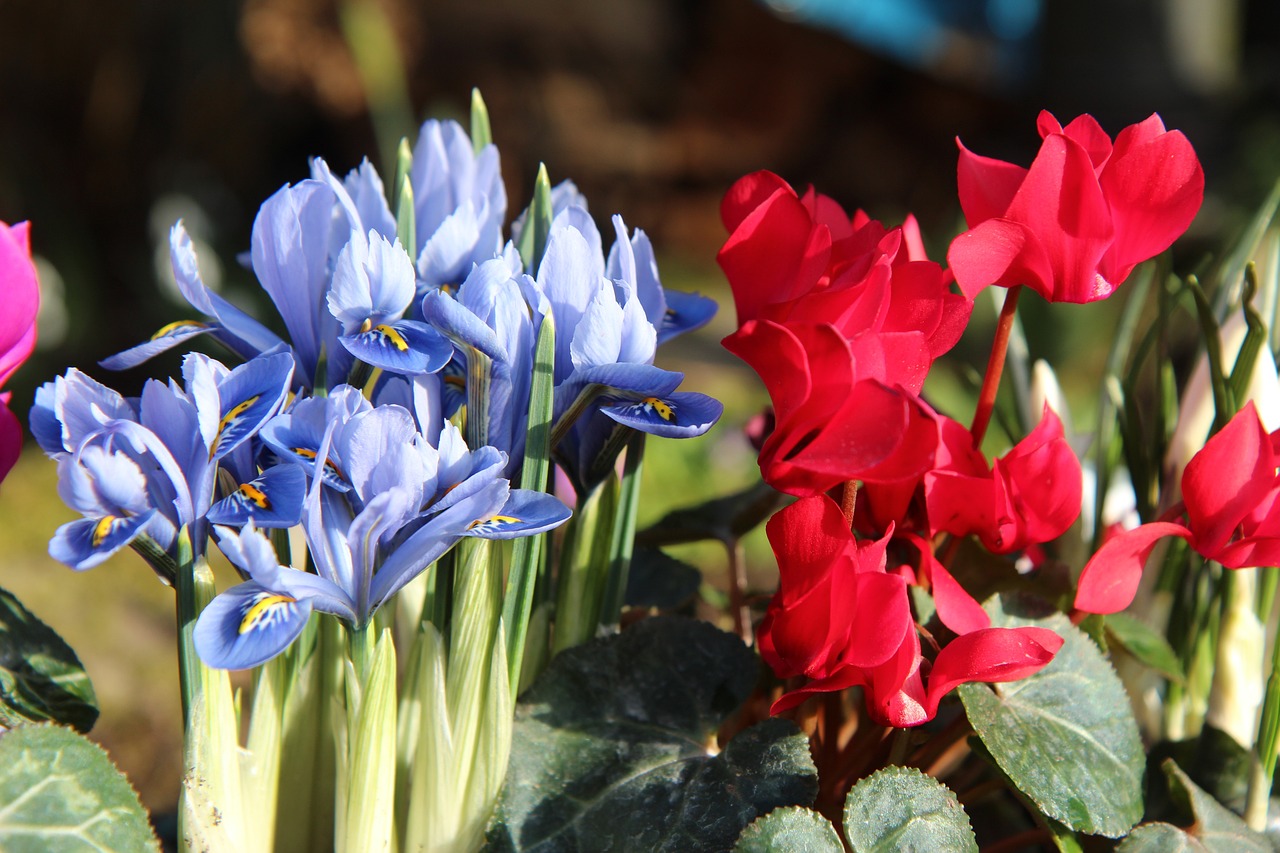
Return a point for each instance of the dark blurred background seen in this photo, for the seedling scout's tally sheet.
(119, 116)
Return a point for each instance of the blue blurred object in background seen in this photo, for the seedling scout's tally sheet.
(990, 43)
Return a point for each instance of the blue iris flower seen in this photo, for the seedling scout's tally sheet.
(292, 254)
(363, 200)
(494, 331)
(236, 330)
(459, 204)
(373, 284)
(151, 465)
(608, 316)
(605, 344)
(404, 504)
(671, 312)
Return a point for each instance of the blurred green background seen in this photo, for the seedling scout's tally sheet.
(117, 117)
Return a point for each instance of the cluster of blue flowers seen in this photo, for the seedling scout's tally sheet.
(376, 472)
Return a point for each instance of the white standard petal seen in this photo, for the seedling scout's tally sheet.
(598, 336)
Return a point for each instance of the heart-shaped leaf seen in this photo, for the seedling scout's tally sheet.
(40, 676)
(1160, 838)
(726, 519)
(794, 829)
(1146, 644)
(59, 792)
(614, 748)
(900, 808)
(1065, 736)
(1213, 827)
(660, 581)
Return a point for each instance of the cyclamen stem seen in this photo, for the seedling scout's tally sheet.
(995, 366)
(741, 610)
(849, 500)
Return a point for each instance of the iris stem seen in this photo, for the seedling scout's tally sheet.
(528, 554)
(995, 366)
(360, 647)
(584, 567)
(194, 587)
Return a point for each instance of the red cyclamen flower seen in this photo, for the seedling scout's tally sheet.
(792, 259)
(1074, 225)
(19, 302)
(836, 419)
(842, 318)
(841, 619)
(1232, 495)
(1028, 496)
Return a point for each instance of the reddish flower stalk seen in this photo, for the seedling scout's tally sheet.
(995, 366)
(849, 500)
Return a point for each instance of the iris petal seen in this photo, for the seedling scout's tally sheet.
(248, 625)
(685, 312)
(677, 415)
(249, 396)
(87, 542)
(163, 340)
(405, 346)
(271, 500)
(524, 514)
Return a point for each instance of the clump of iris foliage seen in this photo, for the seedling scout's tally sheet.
(427, 476)
(367, 473)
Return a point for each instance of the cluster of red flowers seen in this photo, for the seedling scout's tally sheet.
(842, 318)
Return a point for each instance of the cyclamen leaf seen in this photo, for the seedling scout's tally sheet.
(660, 581)
(1161, 838)
(727, 519)
(40, 676)
(613, 748)
(794, 829)
(1144, 643)
(900, 808)
(1066, 736)
(1213, 826)
(59, 792)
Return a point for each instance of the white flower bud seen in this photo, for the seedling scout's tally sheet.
(1238, 686)
(1045, 390)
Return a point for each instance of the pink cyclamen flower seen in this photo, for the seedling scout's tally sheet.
(19, 302)
(1073, 226)
(1231, 490)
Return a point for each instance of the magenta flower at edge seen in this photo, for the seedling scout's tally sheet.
(19, 302)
